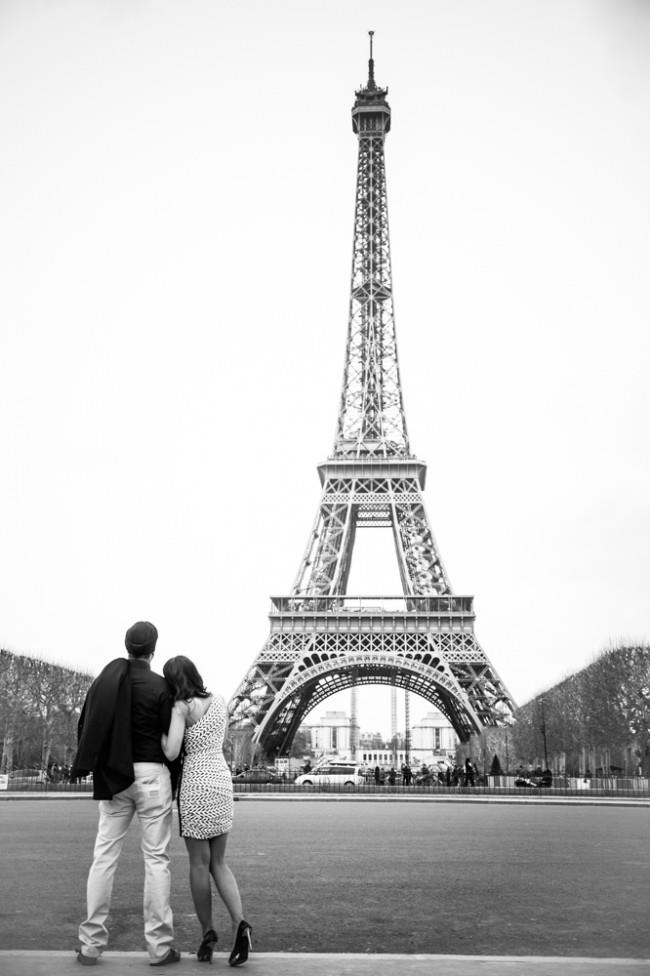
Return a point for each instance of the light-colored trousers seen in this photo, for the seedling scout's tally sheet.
(150, 796)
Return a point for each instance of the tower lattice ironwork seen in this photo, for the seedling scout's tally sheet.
(323, 640)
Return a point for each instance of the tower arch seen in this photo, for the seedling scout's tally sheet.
(318, 680)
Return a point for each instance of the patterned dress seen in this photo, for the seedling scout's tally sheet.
(205, 804)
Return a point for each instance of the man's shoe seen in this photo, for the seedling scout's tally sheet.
(173, 955)
(86, 960)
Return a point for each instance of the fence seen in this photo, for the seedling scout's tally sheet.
(637, 787)
(632, 787)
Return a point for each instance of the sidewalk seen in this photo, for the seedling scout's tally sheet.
(325, 964)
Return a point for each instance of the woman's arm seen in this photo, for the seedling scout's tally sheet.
(172, 742)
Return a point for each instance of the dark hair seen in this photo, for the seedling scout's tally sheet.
(184, 679)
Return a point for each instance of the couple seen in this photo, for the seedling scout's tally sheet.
(132, 730)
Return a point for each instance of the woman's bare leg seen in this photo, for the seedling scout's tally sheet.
(200, 867)
(225, 880)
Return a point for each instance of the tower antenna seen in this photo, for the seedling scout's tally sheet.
(371, 64)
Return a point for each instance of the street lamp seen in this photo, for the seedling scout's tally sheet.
(543, 731)
(407, 722)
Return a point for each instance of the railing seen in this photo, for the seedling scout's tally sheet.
(46, 787)
(436, 605)
(634, 787)
(609, 786)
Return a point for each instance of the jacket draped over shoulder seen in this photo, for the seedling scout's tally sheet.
(104, 732)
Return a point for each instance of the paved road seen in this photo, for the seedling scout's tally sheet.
(445, 879)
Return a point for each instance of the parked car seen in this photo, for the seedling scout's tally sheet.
(257, 776)
(27, 777)
(333, 774)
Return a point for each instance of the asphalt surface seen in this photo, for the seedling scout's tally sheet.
(458, 880)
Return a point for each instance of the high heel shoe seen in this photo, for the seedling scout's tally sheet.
(205, 950)
(243, 945)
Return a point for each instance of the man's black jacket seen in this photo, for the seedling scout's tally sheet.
(104, 732)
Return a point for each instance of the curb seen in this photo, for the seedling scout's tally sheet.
(43, 963)
(591, 801)
(509, 800)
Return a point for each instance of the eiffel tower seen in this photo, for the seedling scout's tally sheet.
(323, 640)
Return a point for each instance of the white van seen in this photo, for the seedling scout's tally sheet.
(333, 774)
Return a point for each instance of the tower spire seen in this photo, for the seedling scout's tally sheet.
(371, 65)
(371, 420)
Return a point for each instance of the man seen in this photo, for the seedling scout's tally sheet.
(127, 709)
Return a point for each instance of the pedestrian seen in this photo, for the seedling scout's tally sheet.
(469, 772)
(205, 802)
(127, 709)
(377, 775)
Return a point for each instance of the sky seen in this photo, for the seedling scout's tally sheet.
(177, 188)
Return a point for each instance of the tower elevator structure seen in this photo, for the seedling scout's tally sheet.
(323, 640)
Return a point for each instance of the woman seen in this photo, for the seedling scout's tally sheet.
(205, 803)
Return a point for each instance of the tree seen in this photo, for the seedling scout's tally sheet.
(495, 768)
(301, 745)
(14, 706)
(602, 711)
(39, 706)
